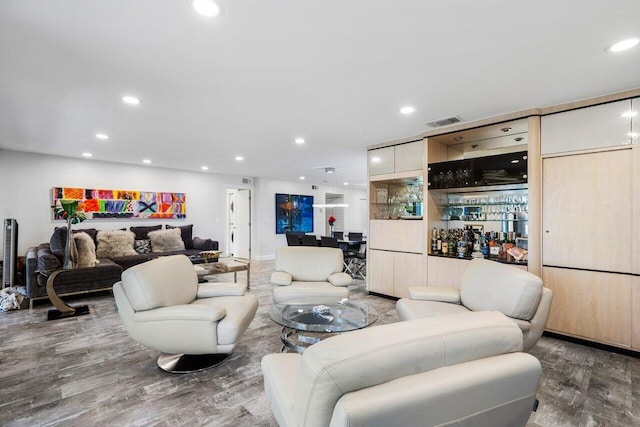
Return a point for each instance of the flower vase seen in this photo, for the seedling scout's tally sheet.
(69, 250)
(331, 230)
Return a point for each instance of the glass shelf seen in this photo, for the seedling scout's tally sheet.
(459, 205)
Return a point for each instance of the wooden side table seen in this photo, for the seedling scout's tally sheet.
(230, 265)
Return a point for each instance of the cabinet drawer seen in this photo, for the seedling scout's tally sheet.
(397, 235)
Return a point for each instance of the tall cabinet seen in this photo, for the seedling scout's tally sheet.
(590, 223)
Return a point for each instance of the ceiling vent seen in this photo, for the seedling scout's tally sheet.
(444, 122)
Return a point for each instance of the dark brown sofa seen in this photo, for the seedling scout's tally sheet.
(48, 257)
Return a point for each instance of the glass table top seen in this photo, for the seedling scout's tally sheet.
(340, 316)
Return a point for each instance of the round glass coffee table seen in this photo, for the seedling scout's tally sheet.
(302, 326)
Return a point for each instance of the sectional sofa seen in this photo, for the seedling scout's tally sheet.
(47, 257)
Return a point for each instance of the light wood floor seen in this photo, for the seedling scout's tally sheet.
(86, 371)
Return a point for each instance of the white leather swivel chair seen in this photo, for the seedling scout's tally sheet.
(486, 285)
(195, 326)
(462, 369)
(309, 272)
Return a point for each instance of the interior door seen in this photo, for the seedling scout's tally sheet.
(242, 231)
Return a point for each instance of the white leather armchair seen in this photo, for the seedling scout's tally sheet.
(486, 285)
(309, 272)
(463, 369)
(195, 326)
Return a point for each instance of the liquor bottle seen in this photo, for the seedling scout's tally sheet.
(452, 243)
(434, 243)
(494, 246)
(445, 242)
(439, 241)
(485, 245)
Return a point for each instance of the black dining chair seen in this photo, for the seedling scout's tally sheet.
(355, 237)
(309, 240)
(338, 235)
(329, 242)
(293, 239)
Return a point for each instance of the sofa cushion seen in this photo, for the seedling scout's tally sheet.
(86, 250)
(166, 240)
(142, 246)
(309, 264)
(488, 285)
(47, 262)
(154, 283)
(142, 232)
(131, 260)
(186, 232)
(117, 243)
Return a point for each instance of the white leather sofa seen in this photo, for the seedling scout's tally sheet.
(463, 369)
(486, 285)
(195, 326)
(309, 272)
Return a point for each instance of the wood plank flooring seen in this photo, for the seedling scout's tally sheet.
(87, 371)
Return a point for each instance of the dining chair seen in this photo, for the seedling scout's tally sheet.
(309, 240)
(329, 242)
(293, 239)
(355, 237)
(338, 235)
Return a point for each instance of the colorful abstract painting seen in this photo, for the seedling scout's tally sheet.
(97, 204)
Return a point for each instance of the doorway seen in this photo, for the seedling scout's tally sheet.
(331, 200)
(238, 229)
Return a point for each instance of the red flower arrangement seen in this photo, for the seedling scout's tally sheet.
(332, 219)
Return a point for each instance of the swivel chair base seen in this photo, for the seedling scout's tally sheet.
(185, 363)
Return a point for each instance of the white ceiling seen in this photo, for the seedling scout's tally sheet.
(249, 82)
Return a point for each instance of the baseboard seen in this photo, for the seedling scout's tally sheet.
(599, 346)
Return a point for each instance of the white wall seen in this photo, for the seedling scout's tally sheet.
(267, 240)
(26, 180)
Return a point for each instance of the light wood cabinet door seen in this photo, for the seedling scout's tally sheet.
(397, 235)
(380, 271)
(408, 270)
(587, 211)
(586, 128)
(635, 235)
(408, 157)
(591, 305)
(445, 272)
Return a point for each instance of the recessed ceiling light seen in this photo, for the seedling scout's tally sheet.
(629, 114)
(132, 100)
(375, 159)
(239, 158)
(299, 141)
(87, 154)
(624, 45)
(146, 161)
(302, 177)
(206, 8)
(102, 136)
(346, 183)
(205, 168)
(408, 109)
(329, 170)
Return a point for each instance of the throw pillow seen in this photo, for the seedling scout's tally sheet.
(90, 231)
(186, 233)
(47, 263)
(86, 250)
(142, 246)
(141, 232)
(166, 240)
(113, 244)
(58, 242)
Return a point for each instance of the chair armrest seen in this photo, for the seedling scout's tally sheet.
(340, 279)
(209, 290)
(281, 278)
(434, 293)
(202, 312)
(205, 244)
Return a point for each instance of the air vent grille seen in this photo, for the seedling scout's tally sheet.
(444, 122)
